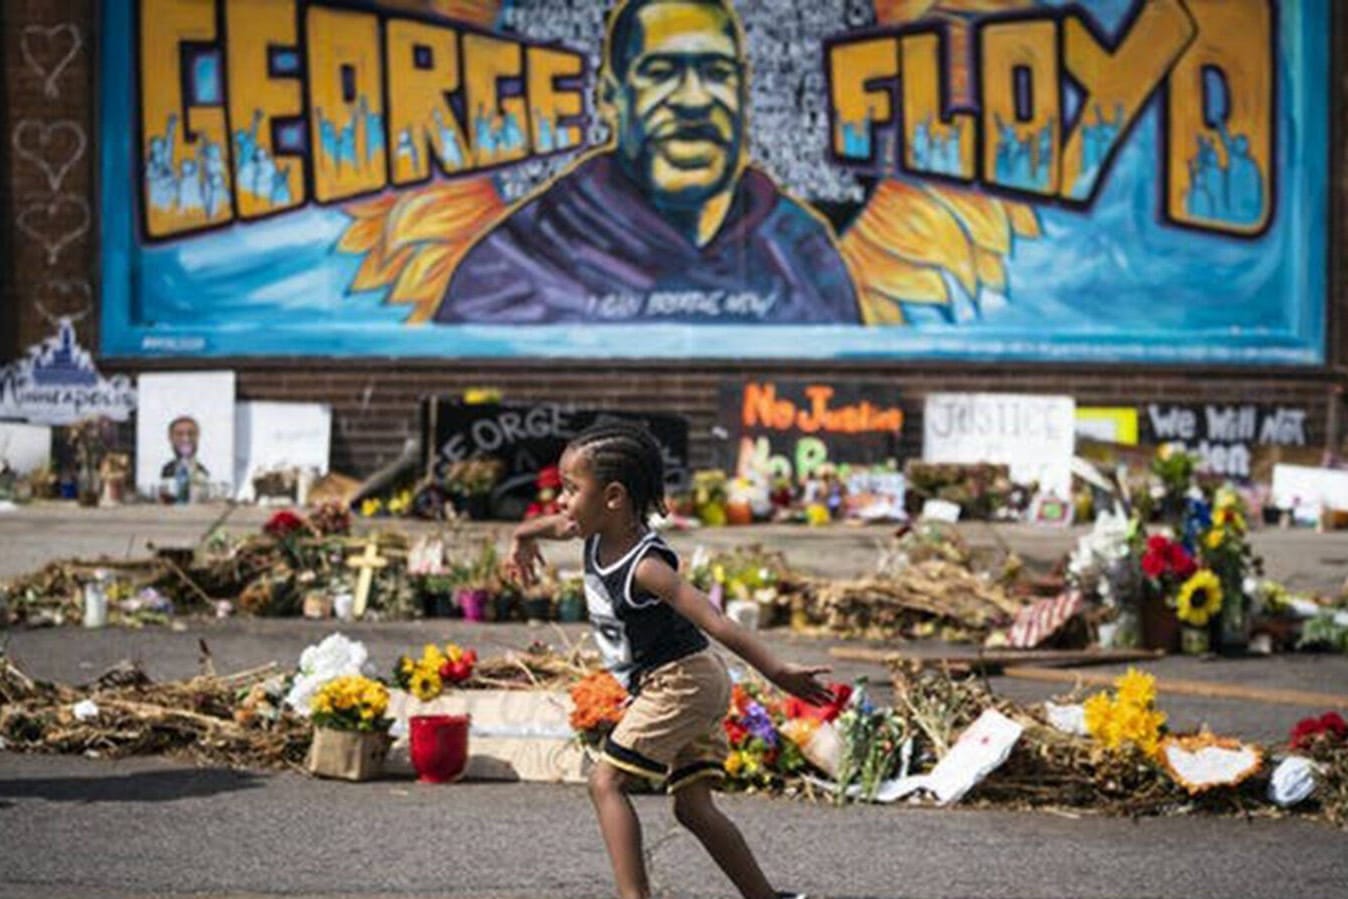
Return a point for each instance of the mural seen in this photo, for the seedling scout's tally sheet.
(1131, 180)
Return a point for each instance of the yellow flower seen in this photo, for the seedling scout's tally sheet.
(1200, 597)
(431, 657)
(405, 665)
(1099, 713)
(453, 652)
(426, 684)
(1128, 720)
(1165, 451)
(371, 507)
(1215, 537)
(816, 514)
(321, 704)
(734, 762)
(1136, 687)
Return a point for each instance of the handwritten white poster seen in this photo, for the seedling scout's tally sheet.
(1032, 434)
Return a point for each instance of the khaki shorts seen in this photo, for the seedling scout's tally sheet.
(672, 731)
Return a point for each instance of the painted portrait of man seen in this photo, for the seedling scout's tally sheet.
(184, 435)
(670, 222)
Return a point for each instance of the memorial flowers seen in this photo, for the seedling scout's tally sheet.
(351, 702)
(760, 756)
(428, 676)
(336, 656)
(1199, 598)
(598, 701)
(1128, 720)
(872, 737)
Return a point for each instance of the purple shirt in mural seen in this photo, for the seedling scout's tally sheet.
(592, 248)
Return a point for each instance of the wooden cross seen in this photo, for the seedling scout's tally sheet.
(367, 562)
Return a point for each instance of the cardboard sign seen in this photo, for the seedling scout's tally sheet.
(790, 428)
(24, 448)
(528, 438)
(1225, 435)
(1107, 424)
(1033, 435)
(57, 383)
(279, 435)
(206, 400)
(1301, 487)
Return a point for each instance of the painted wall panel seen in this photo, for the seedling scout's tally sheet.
(1114, 180)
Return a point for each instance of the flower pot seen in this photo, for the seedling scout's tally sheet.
(438, 746)
(444, 606)
(1160, 625)
(538, 608)
(347, 754)
(504, 607)
(739, 512)
(473, 601)
(571, 607)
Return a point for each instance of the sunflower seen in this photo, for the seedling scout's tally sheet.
(426, 684)
(1200, 598)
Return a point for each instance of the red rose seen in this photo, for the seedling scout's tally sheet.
(283, 523)
(1181, 562)
(735, 731)
(1157, 543)
(1304, 732)
(1153, 564)
(1332, 722)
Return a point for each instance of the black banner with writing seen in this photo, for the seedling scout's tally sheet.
(529, 438)
(791, 427)
(1225, 434)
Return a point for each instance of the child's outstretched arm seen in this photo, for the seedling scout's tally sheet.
(655, 575)
(524, 558)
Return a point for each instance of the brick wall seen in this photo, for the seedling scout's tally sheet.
(50, 207)
(375, 404)
(49, 256)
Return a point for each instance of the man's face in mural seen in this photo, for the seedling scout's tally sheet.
(183, 434)
(680, 102)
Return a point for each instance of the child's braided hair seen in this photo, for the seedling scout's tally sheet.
(624, 451)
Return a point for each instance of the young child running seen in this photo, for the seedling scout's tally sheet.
(651, 627)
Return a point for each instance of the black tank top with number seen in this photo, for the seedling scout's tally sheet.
(634, 629)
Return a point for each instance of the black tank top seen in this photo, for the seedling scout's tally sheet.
(635, 631)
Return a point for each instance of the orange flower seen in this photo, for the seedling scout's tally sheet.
(598, 699)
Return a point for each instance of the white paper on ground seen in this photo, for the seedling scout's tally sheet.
(979, 751)
(84, 710)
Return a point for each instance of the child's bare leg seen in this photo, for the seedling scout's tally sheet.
(621, 829)
(694, 809)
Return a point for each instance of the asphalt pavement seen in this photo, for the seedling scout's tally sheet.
(75, 826)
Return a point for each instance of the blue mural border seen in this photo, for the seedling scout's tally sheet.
(1303, 34)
